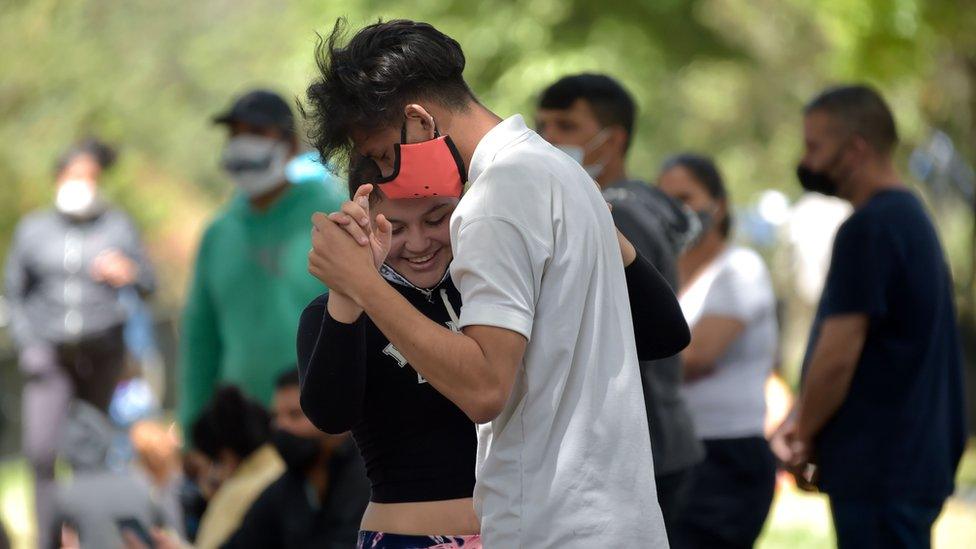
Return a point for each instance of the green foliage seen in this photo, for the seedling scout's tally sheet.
(724, 77)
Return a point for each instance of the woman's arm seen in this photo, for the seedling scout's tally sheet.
(709, 341)
(331, 367)
(660, 329)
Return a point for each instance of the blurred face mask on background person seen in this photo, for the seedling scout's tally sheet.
(825, 166)
(256, 164)
(78, 198)
(820, 181)
(578, 153)
(298, 452)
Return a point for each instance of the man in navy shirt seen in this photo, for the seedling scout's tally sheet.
(881, 407)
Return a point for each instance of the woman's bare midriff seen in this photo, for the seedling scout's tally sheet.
(454, 517)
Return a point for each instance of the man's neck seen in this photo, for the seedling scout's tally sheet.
(468, 128)
(612, 173)
(875, 177)
(263, 202)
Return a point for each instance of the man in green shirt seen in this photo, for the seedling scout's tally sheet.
(251, 282)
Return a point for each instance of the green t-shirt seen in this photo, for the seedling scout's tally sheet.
(249, 287)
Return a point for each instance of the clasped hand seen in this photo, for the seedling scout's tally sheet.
(347, 249)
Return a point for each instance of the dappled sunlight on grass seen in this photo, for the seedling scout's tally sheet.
(16, 503)
(801, 520)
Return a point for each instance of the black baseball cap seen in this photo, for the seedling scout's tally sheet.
(261, 108)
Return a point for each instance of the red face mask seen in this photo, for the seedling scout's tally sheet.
(425, 169)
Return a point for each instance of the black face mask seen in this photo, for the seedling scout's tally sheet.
(298, 453)
(819, 181)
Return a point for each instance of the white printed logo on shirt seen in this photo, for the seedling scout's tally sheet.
(391, 351)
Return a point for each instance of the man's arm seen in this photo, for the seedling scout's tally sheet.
(475, 369)
(830, 372)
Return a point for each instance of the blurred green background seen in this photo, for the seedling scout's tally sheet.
(723, 77)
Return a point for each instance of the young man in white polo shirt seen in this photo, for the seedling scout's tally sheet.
(544, 358)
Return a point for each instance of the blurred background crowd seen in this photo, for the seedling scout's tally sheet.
(142, 97)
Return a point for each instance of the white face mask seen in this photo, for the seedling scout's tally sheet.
(256, 164)
(578, 153)
(78, 198)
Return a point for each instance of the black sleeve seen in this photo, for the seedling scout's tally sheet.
(259, 528)
(331, 368)
(660, 329)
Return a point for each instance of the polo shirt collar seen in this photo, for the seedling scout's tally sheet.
(508, 131)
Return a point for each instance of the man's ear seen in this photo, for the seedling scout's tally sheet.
(618, 138)
(862, 147)
(420, 123)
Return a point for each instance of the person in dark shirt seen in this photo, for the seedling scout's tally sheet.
(419, 447)
(881, 406)
(319, 500)
(591, 118)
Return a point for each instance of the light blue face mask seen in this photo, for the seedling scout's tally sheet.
(306, 168)
(579, 153)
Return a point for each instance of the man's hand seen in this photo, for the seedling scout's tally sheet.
(114, 268)
(787, 448)
(338, 260)
(794, 454)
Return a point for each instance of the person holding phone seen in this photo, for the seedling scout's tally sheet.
(98, 502)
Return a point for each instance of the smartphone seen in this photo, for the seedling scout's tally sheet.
(133, 525)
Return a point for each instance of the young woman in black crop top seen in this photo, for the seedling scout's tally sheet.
(419, 447)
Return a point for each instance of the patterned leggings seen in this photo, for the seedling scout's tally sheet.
(380, 540)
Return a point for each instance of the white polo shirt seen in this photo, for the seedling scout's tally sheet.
(568, 462)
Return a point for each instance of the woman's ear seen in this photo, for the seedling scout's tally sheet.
(420, 123)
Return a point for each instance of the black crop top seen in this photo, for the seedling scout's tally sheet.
(417, 445)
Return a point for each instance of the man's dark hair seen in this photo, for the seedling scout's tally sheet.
(103, 154)
(862, 111)
(366, 83)
(705, 172)
(363, 170)
(231, 421)
(611, 103)
(287, 378)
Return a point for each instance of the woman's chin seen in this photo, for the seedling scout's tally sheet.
(427, 275)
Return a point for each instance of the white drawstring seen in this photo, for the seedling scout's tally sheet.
(450, 310)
